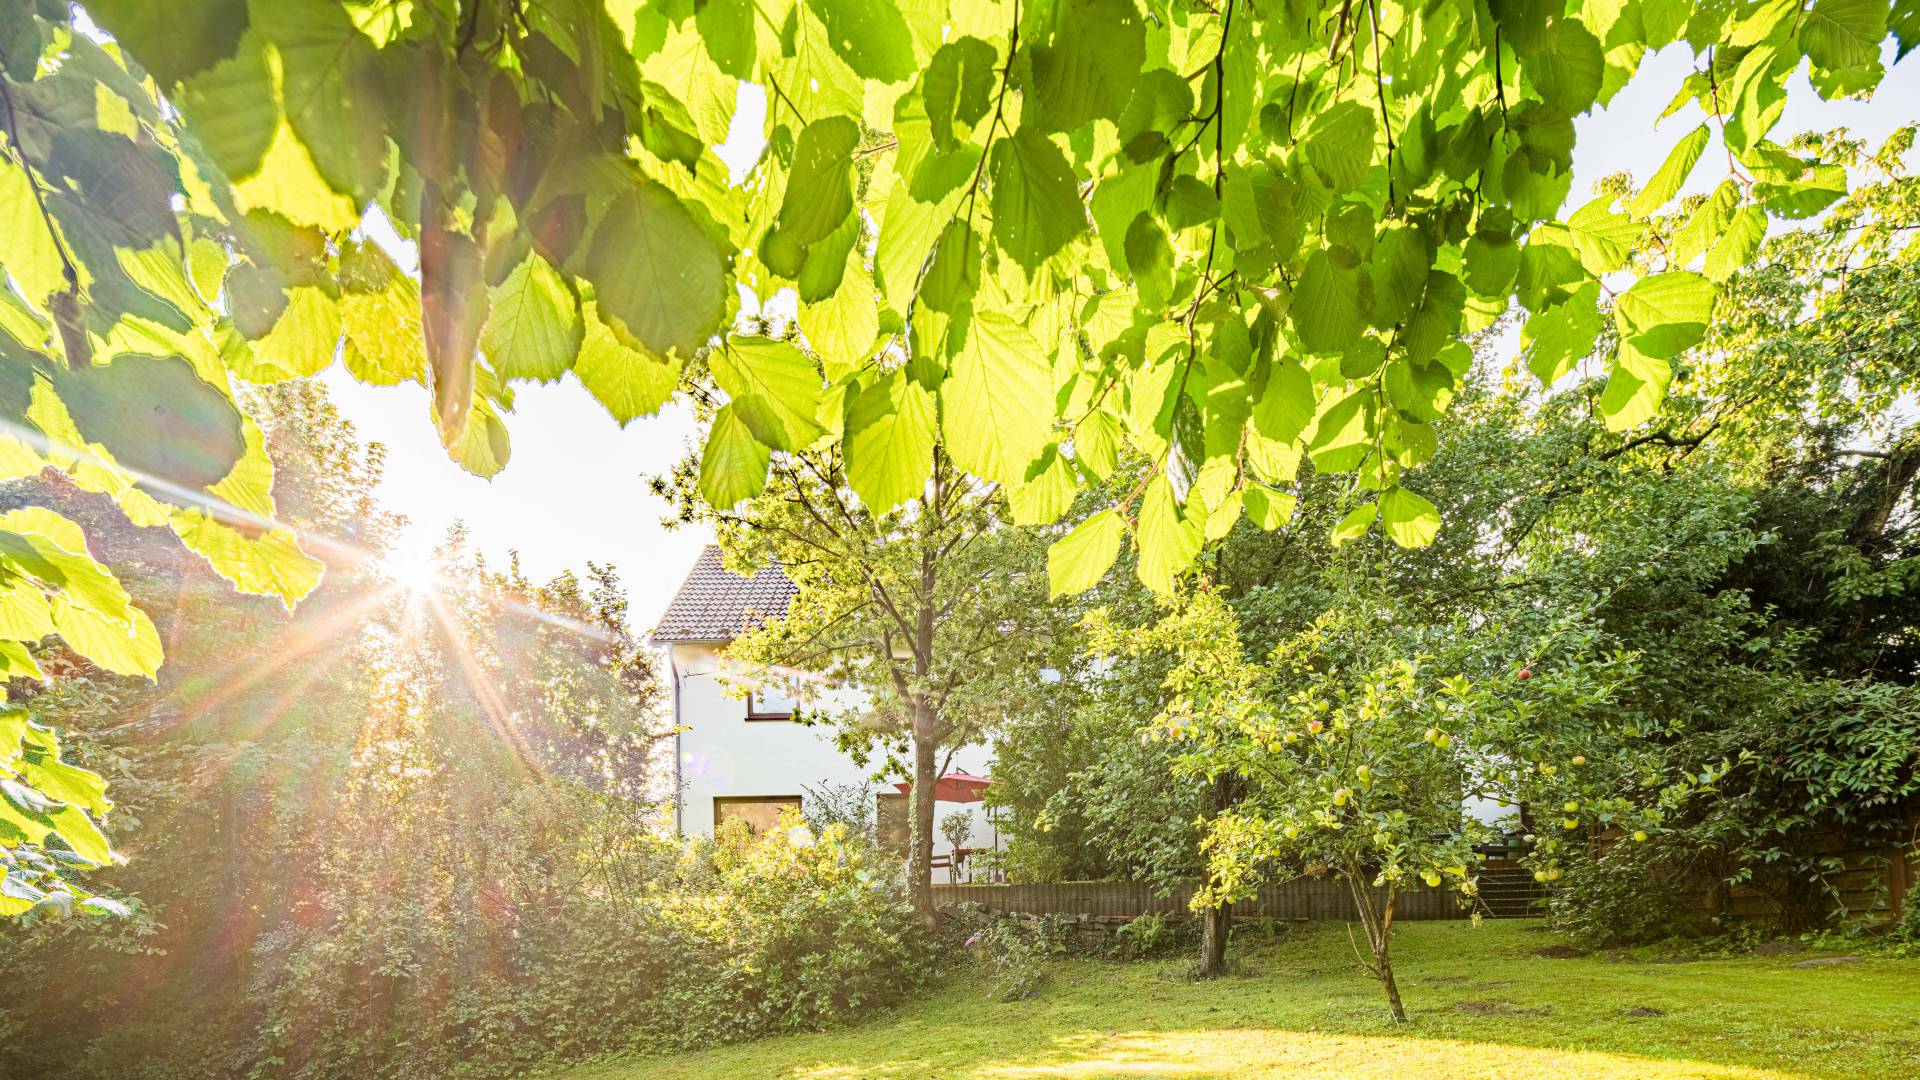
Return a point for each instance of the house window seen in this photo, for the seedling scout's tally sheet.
(770, 702)
(760, 812)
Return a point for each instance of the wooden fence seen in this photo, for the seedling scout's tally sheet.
(1875, 883)
(1876, 886)
(1302, 898)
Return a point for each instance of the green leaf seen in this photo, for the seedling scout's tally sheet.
(1186, 446)
(107, 906)
(534, 329)
(1635, 389)
(87, 605)
(1905, 24)
(1085, 58)
(1672, 174)
(996, 406)
(774, 388)
(733, 467)
(1287, 403)
(1036, 199)
(1706, 224)
(1077, 561)
(908, 234)
(158, 419)
(1223, 517)
(1169, 541)
(72, 825)
(1602, 236)
(332, 92)
(1047, 492)
(958, 88)
(26, 244)
(1490, 262)
(819, 193)
(1737, 244)
(1823, 186)
(954, 274)
(1151, 259)
(1758, 99)
(889, 442)
(1327, 307)
(231, 107)
(1161, 102)
(173, 41)
(1666, 314)
(1268, 508)
(267, 564)
(841, 329)
(659, 277)
(1409, 519)
(1355, 524)
(1400, 263)
(1559, 337)
(1096, 444)
(380, 316)
(1567, 66)
(15, 661)
(67, 783)
(302, 340)
(627, 382)
(870, 36)
(1839, 35)
(1339, 146)
(482, 447)
(1118, 201)
(728, 34)
(1340, 439)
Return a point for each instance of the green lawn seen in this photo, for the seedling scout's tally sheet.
(1482, 1004)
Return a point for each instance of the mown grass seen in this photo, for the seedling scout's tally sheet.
(1482, 1004)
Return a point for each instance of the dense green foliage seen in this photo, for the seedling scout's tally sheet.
(411, 830)
(1748, 560)
(1037, 236)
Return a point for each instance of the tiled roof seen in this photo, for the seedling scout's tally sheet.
(715, 604)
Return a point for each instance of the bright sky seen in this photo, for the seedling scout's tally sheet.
(574, 491)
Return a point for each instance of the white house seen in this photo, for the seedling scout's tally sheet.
(741, 754)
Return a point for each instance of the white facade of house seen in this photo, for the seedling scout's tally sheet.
(739, 753)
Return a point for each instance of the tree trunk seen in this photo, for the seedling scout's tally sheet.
(1383, 961)
(1378, 924)
(1223, 792)
(925, 777)
(1216, 924)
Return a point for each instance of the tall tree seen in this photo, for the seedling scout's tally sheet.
(934, 609)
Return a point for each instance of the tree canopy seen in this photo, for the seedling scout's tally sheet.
(1227, 236)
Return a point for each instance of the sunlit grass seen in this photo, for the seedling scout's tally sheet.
(1483, 1006)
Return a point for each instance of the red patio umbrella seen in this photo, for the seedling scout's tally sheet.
(956, 786)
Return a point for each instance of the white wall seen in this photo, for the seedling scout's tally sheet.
(724, 754)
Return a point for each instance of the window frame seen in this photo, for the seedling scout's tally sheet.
(784, 801)
(757, 714)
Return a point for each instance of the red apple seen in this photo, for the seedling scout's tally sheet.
(1525, 674)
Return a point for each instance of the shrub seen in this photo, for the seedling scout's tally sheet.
(1154, 934)
(560, 930)
(1903, 937)
(1015, 951)
(1632, 894)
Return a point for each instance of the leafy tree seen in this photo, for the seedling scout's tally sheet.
(935, 610)
(1357, 749)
